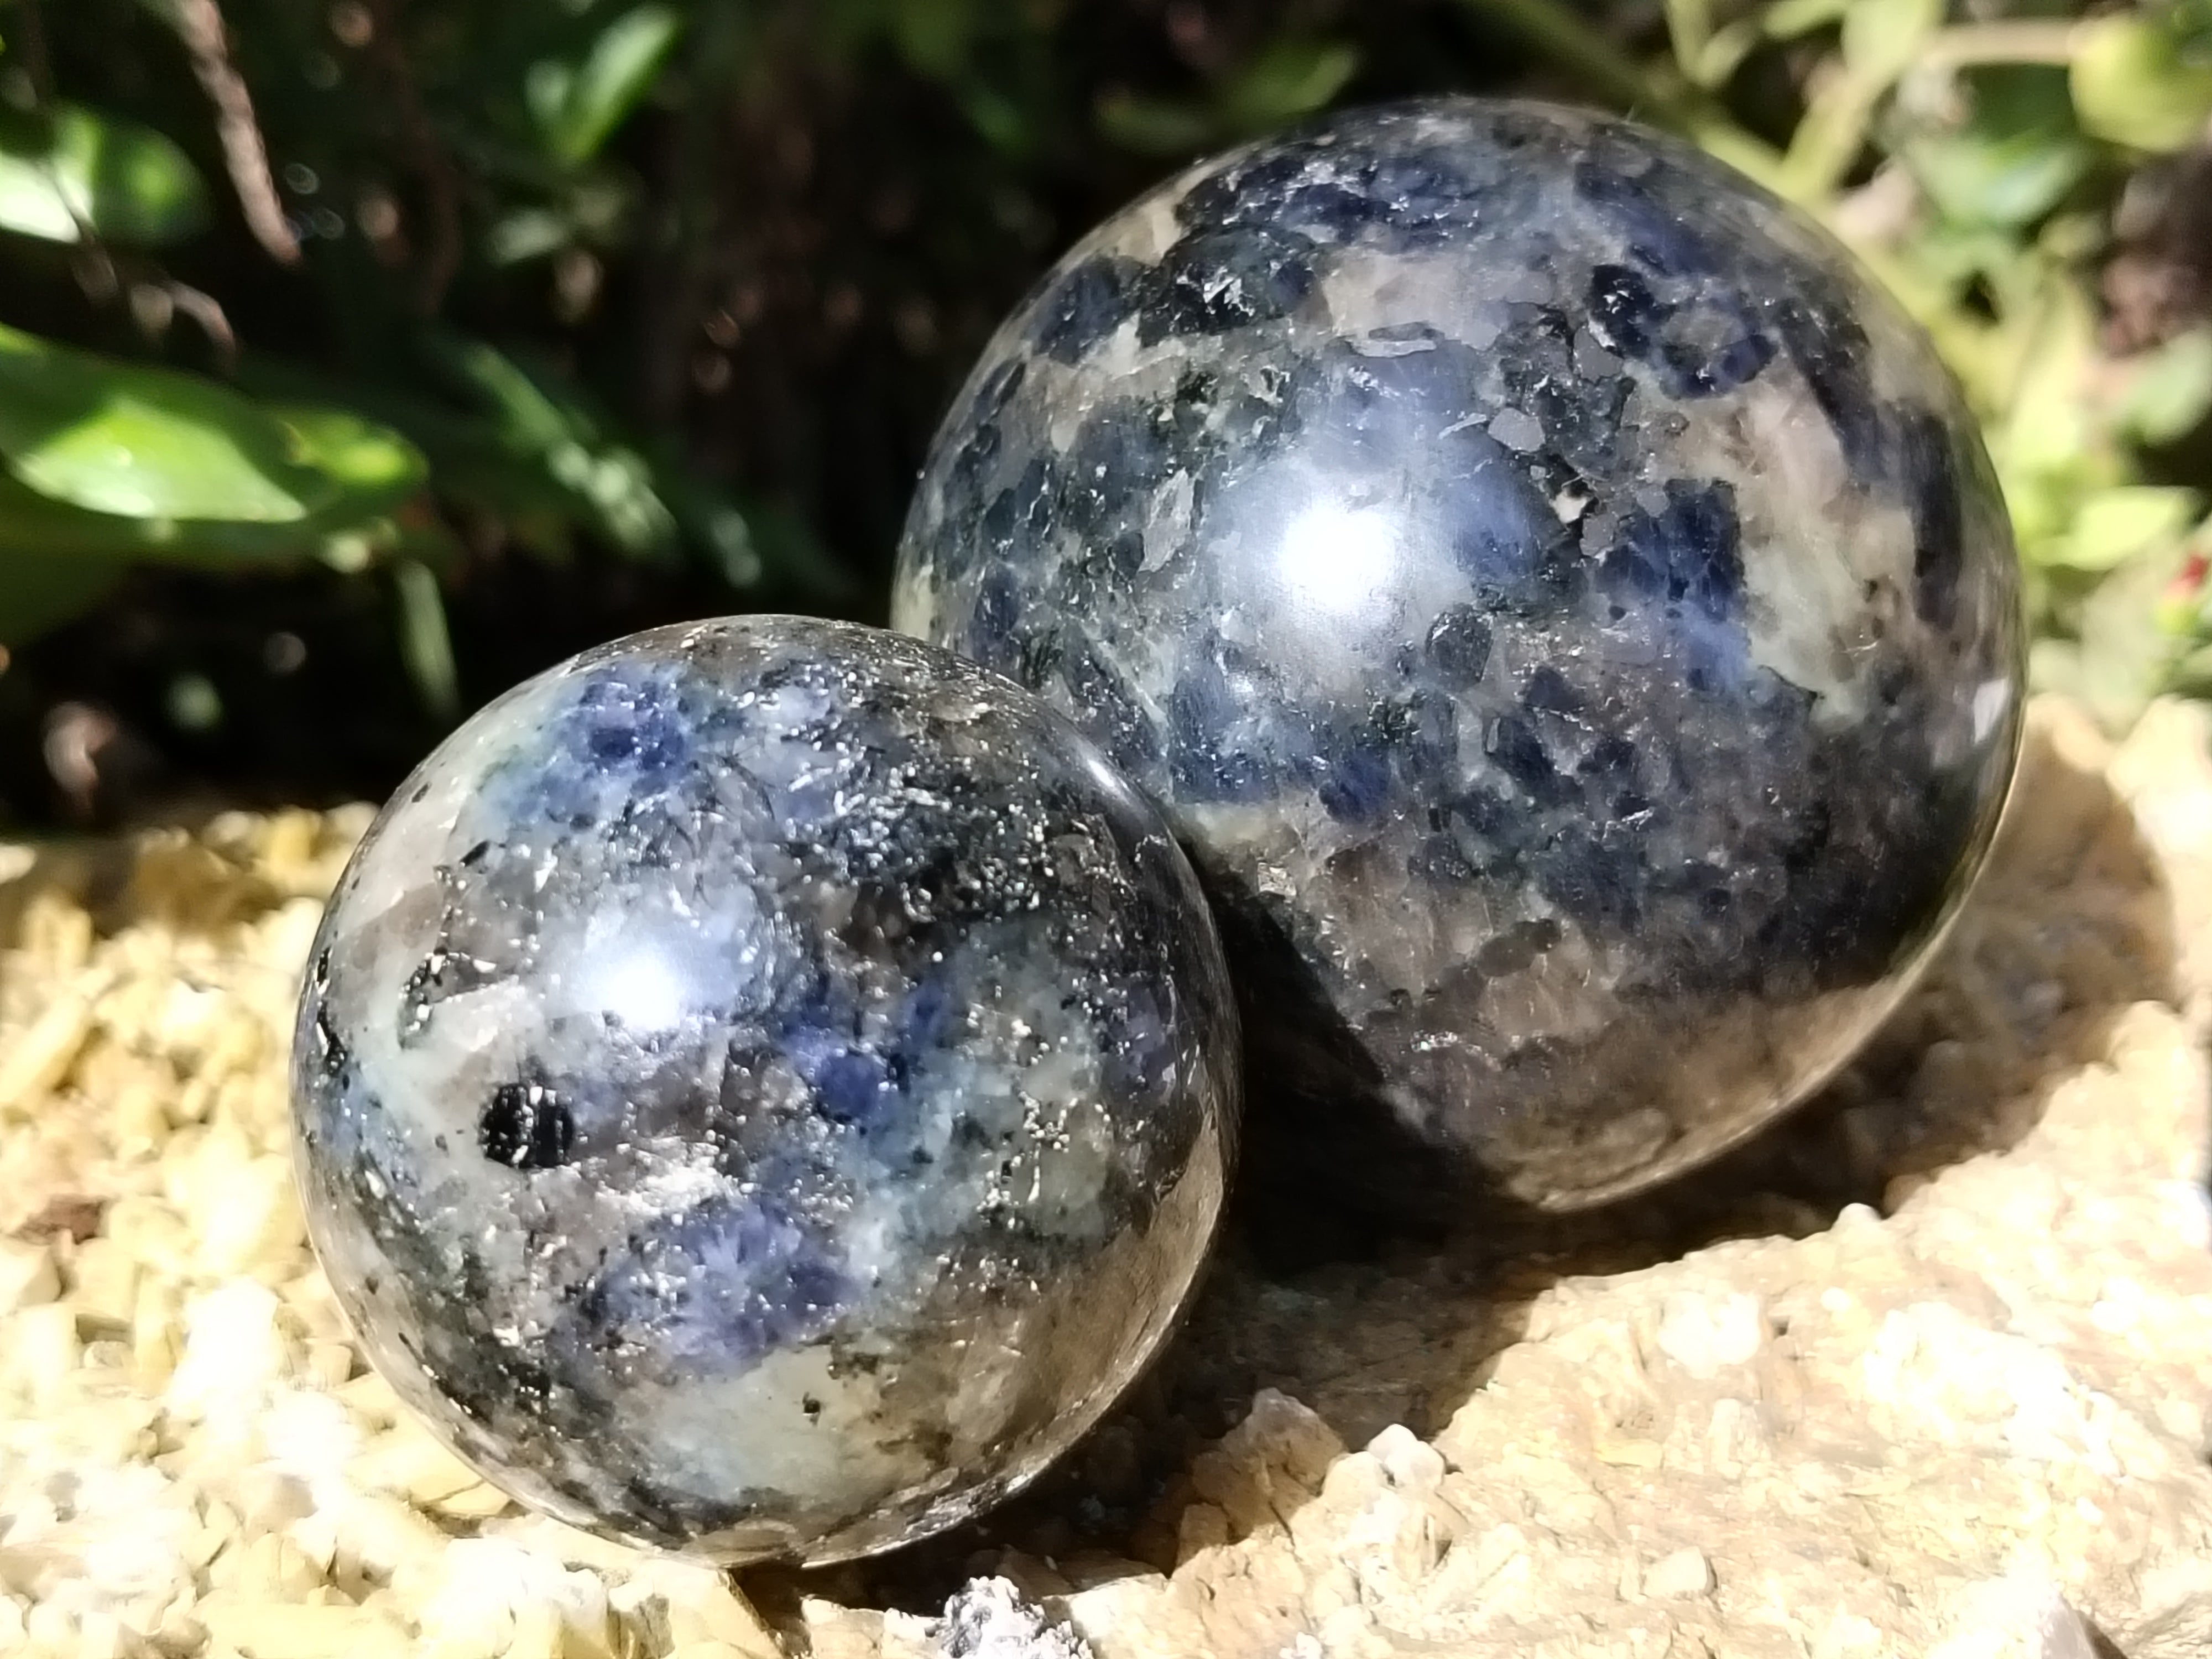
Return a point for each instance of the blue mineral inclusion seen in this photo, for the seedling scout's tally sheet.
(1564, 610)
(763, 1088)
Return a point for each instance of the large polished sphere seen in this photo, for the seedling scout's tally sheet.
(763, 1089)
(1564, 607)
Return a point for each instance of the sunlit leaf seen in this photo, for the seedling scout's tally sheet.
(145, 443)
(1723, 53)
(528, 419)
(2132, 84)
(128, 183)
(1786, 20)
(2045, 425)
(1882, 38)
(2172, 391)
(1689, 28)
(608, 485)
(361, 455)
(2115, 525)
(578, 107)
(107, 464)
(2012, 181)
(527, 233)
(2015, 156)
(34, 525)
(2126, 656)
(133, 442)
(144, 455)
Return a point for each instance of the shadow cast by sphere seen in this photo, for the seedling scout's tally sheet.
(1374, 1314)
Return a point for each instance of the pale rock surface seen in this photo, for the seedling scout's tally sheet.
(1925, 1371)
(990, 1619)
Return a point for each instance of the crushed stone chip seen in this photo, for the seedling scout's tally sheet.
(1927, 1369)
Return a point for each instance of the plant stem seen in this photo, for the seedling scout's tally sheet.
(199, 23)
(1556, 32)
(1565, 39)
(2022, 41)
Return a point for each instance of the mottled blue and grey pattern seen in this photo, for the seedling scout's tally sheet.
(763, 1088)
(1565, 610)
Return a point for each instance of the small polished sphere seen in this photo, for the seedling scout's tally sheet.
(763, 1088)
(1565, 610)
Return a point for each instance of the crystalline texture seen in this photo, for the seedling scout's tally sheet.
(763, 1088)
(1567, 613)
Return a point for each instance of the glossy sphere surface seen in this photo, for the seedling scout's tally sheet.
(763, 1088)
(1568, 614)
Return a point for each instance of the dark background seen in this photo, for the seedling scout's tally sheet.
(747, 299)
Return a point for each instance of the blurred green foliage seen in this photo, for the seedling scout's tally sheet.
(399, 331)
(1984, 161)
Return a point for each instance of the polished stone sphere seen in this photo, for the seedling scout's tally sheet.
(763, 1088)
(1564, 609)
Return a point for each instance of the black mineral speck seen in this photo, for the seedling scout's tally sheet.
(524, 1127)
(733, 1030)
(1560, 600)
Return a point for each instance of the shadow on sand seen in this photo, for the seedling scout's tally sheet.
(1371, 1324)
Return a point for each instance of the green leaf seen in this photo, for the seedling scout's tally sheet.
(521, 448)
(2132, 84)
(1154, 126)
(528, 421)
(425, 643)
(366, 459)
(146, 443)
(132, 442)
(31, 525)
(578, 107)
(1786, 20)
(1288, 79)
(606, 485)
(129, 183)
(2116, 525)
(1689, 28)
(2007, 182)
(997, 118)
(2127, 656)
(528, 232)
(2016, 157)
(1722, 55)
(106, 462)
(2172, 391)
(146, 456)
(1882, 37)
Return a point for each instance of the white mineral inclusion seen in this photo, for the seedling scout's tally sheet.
(1338, 564)
(1562, 603)
(652, 967)
(764, 1087)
